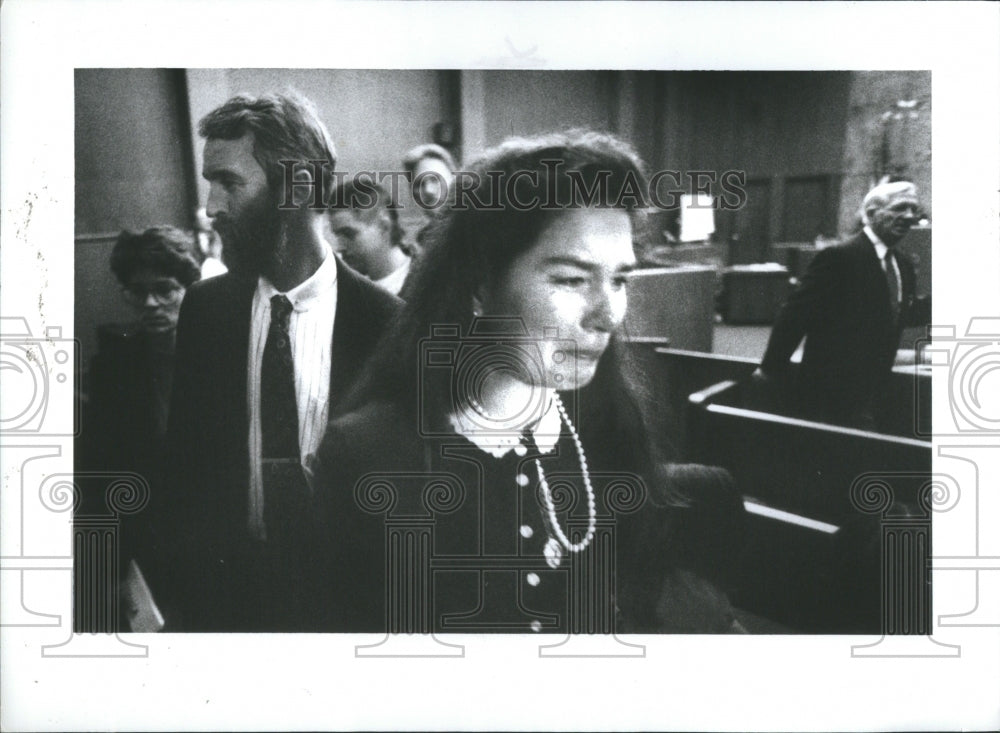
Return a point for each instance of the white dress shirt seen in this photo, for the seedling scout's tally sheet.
(880, 250)
(393, 282)
(310, 330)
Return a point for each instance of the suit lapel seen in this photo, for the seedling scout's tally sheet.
(874, 275)
(350, 332)
(906, 276)
(236, 336)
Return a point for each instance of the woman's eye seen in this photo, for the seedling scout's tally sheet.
(571, 281)
(619, 282)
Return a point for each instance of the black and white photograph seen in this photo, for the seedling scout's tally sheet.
(405, 366)
(677, 283)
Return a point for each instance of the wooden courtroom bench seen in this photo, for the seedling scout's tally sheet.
(671, 375)
(813, 555)
(799, 465)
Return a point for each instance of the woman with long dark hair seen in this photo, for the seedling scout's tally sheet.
(493, 471)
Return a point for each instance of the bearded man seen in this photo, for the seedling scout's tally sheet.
(264, 353)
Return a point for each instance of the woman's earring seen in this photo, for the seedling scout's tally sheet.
(477, 308)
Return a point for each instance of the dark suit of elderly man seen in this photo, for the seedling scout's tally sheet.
(851, 307)
(264, 352)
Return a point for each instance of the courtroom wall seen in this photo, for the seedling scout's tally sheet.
(809, 143)
(138, 155)
(783, 129)
(888, 131)
(133, 171)
(374, 116)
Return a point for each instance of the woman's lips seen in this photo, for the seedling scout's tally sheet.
(156, 321)
(589, 354)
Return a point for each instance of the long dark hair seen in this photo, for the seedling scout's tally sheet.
(509, 196)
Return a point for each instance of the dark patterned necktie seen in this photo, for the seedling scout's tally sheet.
(890, 279)
(281, 472)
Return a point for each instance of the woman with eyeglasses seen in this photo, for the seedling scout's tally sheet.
(130, 377)
(494, 472)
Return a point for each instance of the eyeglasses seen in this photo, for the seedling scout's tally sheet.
(913, 211)
(163, 292)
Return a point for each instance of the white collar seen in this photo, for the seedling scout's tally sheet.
(304, 295)
(880, 247)
(393, 282)
(500, 441)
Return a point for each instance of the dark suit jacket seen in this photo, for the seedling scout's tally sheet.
(121, 428)
(123, 423)
(216, 584)
(842, 308)
(392, 498)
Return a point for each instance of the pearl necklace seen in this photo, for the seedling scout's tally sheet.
(547, 494)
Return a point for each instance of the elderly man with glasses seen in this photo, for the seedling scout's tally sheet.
(851, 307)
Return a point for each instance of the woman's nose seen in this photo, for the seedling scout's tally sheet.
(602, 315)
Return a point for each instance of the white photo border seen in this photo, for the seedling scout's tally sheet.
(285, 682)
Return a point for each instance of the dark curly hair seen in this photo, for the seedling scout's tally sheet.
(163, 249)
(472, 246)
(284, 127)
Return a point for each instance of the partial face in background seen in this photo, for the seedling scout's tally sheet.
(572, 280)
(156, 297)
(244, 212)
(363, 245)
(434, 184)
(893, 219)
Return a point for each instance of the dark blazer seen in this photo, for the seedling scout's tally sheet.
(124, 417)
(842, 308)
(207, 452)
(429, 534)
(123, 431)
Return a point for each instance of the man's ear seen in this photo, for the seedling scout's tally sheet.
(303, 192)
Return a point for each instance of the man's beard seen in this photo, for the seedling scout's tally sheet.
(251, 239)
